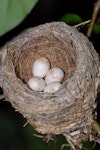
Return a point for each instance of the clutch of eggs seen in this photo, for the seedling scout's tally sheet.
(44, 78)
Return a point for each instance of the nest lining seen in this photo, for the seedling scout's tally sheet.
(59, 54)
(69, 109)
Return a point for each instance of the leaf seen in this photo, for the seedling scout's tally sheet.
(96, 28)
(71, 18)
(12, 12)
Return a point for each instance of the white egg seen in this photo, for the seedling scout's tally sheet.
(54, 75)
(52, 87)
(40, 67)
(36, 83)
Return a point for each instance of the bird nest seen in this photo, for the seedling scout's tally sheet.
(70, 110)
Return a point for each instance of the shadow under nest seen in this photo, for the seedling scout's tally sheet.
(69, 111)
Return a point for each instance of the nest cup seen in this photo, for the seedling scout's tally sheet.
(69, 110)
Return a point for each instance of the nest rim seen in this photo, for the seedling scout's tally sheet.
(60, 92)
(44, 103)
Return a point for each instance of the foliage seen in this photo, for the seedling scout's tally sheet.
(73, 19)
(12, 12)
(96, 28)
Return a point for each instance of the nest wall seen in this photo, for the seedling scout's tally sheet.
(70, 109)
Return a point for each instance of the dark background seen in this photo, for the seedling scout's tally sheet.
(12, 134)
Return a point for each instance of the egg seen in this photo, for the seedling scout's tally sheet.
(54, 75)
(36, 84)
(52, 87)
(40, 67)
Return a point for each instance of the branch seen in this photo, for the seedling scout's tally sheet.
(94, 16)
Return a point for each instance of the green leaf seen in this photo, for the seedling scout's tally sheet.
(71, 18)
(12, 12)
(96, 28)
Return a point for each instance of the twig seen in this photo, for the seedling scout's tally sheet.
(70, 141)
(96, 126)
(25, 124)
(82, 23)
(2, 97)
(46, 138)
(94, 16)
(63, 145)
